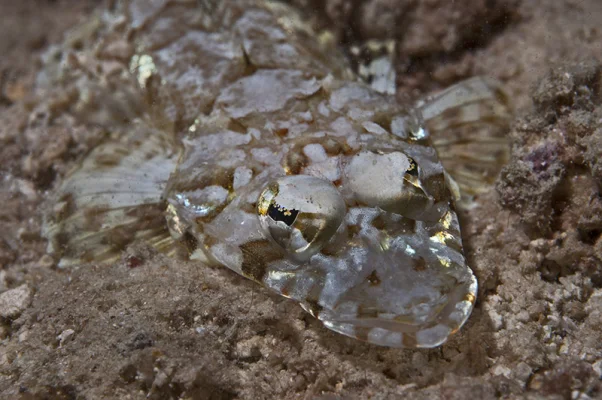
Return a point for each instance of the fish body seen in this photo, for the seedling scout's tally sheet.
(253, 146)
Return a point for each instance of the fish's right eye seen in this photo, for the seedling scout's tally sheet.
(300, 213)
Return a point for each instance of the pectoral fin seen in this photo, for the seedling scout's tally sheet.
(468, 123)
(113, 199)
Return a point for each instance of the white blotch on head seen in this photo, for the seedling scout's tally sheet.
(304, 116)
(357, 114)
(297, 129)
(399, 127)
(462, 311)
(374, 175)
(235, 227)
(202, 201)
(384, 337)
(310, 195)
(242, 177)
(329, 169)
(231, 158)
(342, 127)
(374, 128)
(323, 109)
(264, 155)
(315, 152)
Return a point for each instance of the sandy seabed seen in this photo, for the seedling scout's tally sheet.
(151, 327)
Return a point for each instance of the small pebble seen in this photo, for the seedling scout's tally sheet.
(14, 301)
(65, 337)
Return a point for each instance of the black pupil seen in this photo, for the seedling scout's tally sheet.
(281, 214)
(413, 168)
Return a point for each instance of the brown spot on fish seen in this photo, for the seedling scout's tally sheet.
(148, 215)
(294, 162)
(353, 230)
(419, 264)
(190, 242)
(282, 132)
(107, 160)
(452, 115)
(379, 222)
(408, 340)
(384, 120)
(209, 241)
(61, 243)
(334, 147)
(366, 312)
(249, 208)
(236, 126)
(223, 177)
(257, 255)
(286, 288)
(373, 279)
(362, 332)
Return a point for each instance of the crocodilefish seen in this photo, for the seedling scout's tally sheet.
(238, 136)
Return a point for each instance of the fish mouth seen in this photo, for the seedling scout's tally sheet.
(429, 329)
(398, 333)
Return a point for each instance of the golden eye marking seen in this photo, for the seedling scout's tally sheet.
(266, 199)
(373, 279)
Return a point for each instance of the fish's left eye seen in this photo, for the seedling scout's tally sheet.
(300, 213)
(390, 181)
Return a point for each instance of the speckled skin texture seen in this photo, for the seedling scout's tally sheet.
(148, 327)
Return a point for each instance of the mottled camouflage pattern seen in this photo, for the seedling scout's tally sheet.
(218, 113)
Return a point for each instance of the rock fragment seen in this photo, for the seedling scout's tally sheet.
(14, 301)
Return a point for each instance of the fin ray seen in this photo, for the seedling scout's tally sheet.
(468, 123)
(113, 199)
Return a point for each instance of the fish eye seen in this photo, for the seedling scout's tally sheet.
(412, 168)
(300, 213)
(390, 181)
